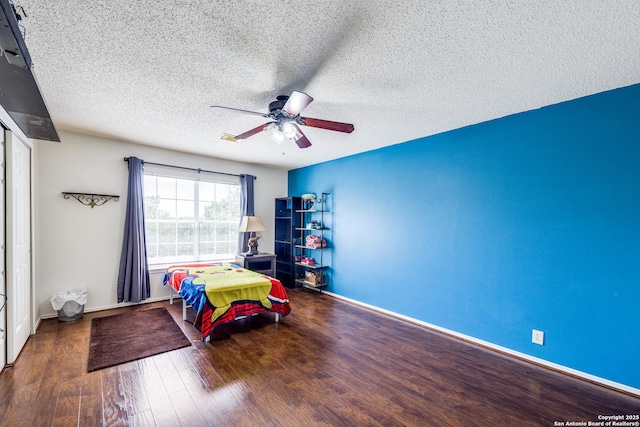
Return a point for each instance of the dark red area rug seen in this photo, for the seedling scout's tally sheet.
(131, 336)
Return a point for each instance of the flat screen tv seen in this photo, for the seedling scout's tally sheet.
(12, 45)
(20, 95)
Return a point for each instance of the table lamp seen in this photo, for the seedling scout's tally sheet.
(251, 224)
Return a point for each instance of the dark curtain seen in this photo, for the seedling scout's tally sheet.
(133, 278)
(246, 207)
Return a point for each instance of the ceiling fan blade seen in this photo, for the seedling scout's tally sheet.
(255, 113)
(253, 131)
(301, 139)
(327, 124)
(228, 137)
(296, 103)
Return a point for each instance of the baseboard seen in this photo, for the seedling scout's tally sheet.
(112, 306)
(523, 356)
(36, 325)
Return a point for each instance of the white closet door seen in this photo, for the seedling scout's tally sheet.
(3, 313)
(18, 266)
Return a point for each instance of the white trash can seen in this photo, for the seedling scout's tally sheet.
(69, 304)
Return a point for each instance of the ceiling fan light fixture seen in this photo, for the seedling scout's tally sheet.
(276, 134)
(289, 130)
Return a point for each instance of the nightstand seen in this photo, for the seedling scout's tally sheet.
(262, 263)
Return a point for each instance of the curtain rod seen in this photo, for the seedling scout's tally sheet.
(126, 159)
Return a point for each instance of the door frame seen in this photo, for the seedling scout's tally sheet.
(13, 138)
(3, 282)
(7, 124)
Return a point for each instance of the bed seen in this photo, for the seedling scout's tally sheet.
(223, 292)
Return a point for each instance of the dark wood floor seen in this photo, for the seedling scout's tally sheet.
(328, 363)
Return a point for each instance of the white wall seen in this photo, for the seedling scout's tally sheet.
(79, 246)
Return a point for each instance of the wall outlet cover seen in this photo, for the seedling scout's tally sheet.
(537, 337)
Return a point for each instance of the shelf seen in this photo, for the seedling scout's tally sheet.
(285, 222)
(312, 266)
(309, 284)
(316, 275)
(91, 199)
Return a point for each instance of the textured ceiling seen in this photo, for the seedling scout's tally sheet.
(147, 71)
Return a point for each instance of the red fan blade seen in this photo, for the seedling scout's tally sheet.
(255, 113)
(253, 131)
(301, 139)
(296, 103)
(327, 124)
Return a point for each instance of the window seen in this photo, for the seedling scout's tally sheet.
(190, 220)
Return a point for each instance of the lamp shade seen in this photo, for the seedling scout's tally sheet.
(251, 223)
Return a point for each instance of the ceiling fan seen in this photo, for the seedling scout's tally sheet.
(286, 120)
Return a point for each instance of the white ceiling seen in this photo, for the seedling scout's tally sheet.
(147, 71)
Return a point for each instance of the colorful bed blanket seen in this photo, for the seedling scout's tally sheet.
(223, 292)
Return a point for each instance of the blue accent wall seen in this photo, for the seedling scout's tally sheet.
(531, 221)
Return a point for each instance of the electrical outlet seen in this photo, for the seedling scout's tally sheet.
(537, 337)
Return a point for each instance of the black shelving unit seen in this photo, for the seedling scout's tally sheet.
(286, 223)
